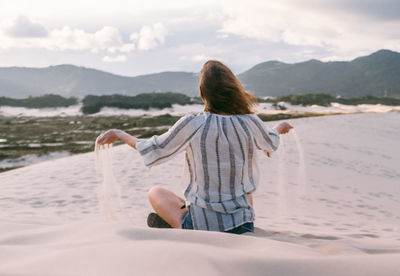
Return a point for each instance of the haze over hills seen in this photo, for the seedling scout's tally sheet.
(377, 74)
(70, 80)
(369, 75)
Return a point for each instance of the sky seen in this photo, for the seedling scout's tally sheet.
(138, 37)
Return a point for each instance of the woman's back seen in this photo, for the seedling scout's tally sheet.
(221, 166)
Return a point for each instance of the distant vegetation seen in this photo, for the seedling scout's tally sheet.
(369, 100)
(48, 100)
(93, 104)
(326, 100)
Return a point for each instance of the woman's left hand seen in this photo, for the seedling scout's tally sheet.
(108, 137)
(283, 128)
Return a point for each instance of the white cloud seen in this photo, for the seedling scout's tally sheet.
(311, 24)
(201, 57)
(150, 37)
(22, 26)
(126, 48)
(120, 58)
(66, 38)
(199, 51)
(23, 33)
(106, 39)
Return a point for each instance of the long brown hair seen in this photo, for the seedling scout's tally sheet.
(222, 92)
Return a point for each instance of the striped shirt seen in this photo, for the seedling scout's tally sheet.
(221, 164)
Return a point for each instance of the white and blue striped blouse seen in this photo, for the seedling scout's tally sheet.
(221, 164)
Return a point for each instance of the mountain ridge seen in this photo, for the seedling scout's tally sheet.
(377, 74)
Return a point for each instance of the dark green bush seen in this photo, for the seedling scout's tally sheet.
(48, 100)
(326, 100)
(93, 104)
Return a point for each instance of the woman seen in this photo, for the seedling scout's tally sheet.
(221, 161)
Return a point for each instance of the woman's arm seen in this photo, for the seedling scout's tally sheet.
(281, 128)
(110, 136)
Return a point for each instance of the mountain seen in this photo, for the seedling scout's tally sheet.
(369, 75)
(377, 74)
(70, 80)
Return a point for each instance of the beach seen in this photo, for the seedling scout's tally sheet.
(327, 204)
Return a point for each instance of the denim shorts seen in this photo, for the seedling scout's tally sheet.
(247, 227)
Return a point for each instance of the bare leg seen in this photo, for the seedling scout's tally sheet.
(167, 205)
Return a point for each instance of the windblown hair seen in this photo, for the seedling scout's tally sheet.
(222, 92)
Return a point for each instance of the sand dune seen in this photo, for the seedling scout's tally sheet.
(120, 249)
(327, 205)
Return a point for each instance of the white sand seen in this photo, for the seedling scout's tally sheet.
(338, 217)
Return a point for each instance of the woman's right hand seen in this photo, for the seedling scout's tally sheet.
(283, 128)
(108, 137)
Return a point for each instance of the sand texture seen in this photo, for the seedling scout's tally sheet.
(328, 204)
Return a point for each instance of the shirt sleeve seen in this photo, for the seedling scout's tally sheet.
(159, 149)
(265, 138)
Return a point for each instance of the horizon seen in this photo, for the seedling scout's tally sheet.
(132, 38)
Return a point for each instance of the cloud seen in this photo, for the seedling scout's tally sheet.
(279, 22)
(24, 27)
(120, 58)
(375, 10)
(326, 25)
(108, 38)
(201, 57)
(149, 37)
(60, 39)
(199, 52)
